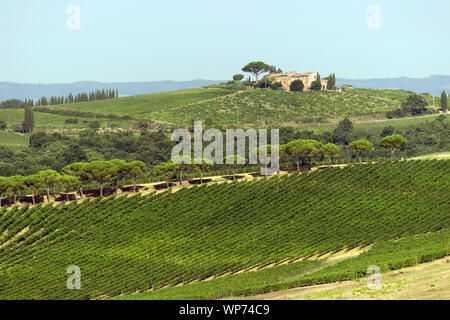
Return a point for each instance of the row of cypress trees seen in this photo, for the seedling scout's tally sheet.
(80, 97)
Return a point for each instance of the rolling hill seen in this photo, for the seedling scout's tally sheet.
(136, 243)
(248, 107)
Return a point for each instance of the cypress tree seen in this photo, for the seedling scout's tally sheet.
(330, 82)
(28, 120)
(444, 102)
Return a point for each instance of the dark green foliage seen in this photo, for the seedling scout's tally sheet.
(264, 83)
(28, 120)
(276, 86)
(238, 77)
(444, 99)
(274, 69)
(296, 86)
(343, 132)
(256, 68)
(415, 104)
(316, 85)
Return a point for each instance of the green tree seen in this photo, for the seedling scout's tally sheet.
(297, 86)
(184, 163)
(387, 131)
(256, 68)
(303, 149)
(238, 77)
(415, 104)
(330, 82)
(4, 187)
(393, 143)
(316, 84)
(77, 170)
(34, 183)
(202, 165)
(276, 86)
(28, 120)
(265, 82)
(329, 150)
(342, 134)
(233, 161)
(361, 146)
(101, 171)
(444, 102)
(166, 170)
(135, 169)
(95, 125)
(68, 184)
(16, 184)
(274, 69)
(50, 178)
(122, 170)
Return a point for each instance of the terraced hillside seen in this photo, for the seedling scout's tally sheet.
(249, 107)
(142, 242)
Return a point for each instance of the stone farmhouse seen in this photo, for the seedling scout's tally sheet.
(307, 78)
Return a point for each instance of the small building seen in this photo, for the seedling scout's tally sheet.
(307, 78)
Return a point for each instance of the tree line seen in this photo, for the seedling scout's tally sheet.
(79, 97)
(54, 100)
(72, 176)
(301, 150)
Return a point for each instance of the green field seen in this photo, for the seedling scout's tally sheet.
(13, 117)
(141, 242)
(13, 140)
(257, 107)
(146, 105)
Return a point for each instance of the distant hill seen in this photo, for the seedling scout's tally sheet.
(11, 90)
(432, 84)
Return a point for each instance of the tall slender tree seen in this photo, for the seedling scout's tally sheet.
(28, 120)
(444, 102)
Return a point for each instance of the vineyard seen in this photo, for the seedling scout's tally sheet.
(247, 108)
(124, 244)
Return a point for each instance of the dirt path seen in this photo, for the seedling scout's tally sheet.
(430, 281)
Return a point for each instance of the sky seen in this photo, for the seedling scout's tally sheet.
(54, 41)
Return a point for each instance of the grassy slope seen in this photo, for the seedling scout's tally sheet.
(42, 120)
(252, 107)
(134, 243)
(145, 105)
(13, 140)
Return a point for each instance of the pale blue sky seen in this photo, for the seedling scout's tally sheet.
(137, 40)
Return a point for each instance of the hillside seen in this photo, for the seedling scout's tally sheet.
(141, 242)
(249, 107)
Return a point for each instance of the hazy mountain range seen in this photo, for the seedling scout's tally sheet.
(9, 90)
(433, 84)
